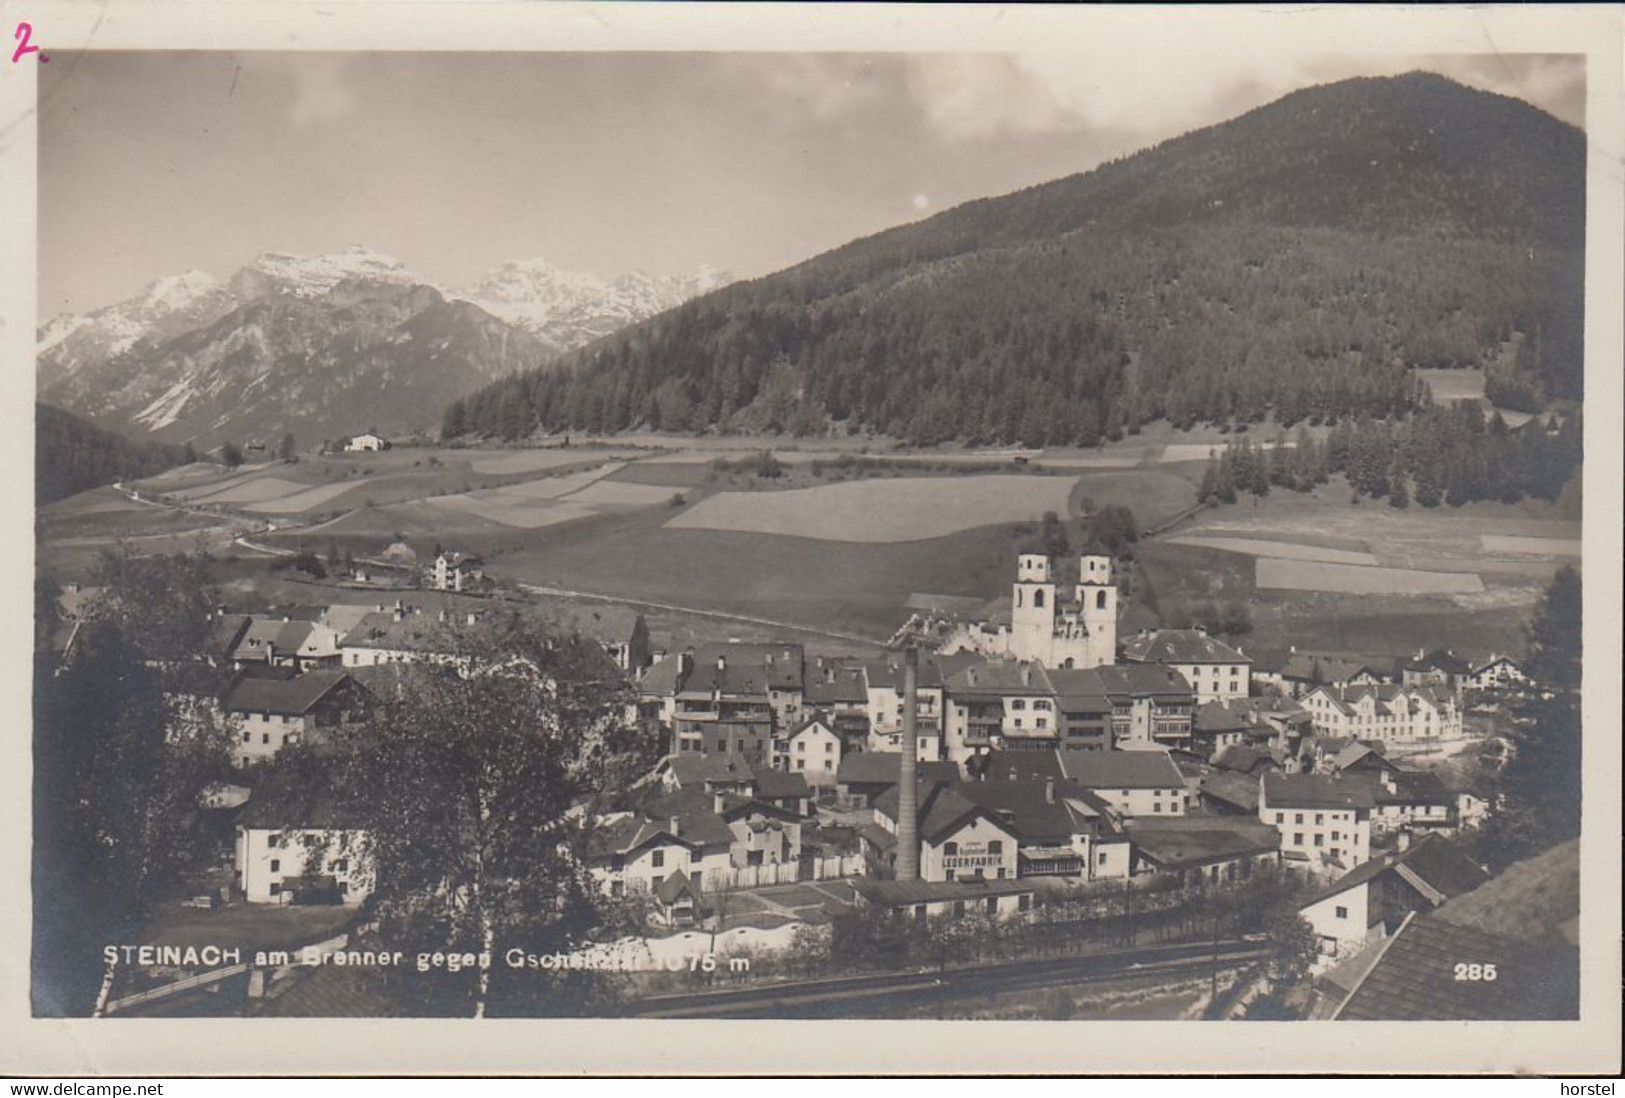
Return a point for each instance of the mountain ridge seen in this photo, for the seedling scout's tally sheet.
(1299, 260)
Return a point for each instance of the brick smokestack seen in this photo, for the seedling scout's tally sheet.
(908, 790)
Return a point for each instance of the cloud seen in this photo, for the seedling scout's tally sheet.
(830, 86)
(980, 96)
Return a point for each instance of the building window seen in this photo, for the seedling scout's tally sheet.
(265, 737)
(658, 859)
(275, 889)
(1319, 819)
(1038, 598)
(1320, 840)
(654, 882)
(1024, 902)
(248, 737)
(950, 849)
(950, 876)
(996, 846)
(1297, 838)
(992, 905)
(1299, 818)
(1018, 704)
(1280, 817)
(959, 905)
(1001, 873)
(276, 865)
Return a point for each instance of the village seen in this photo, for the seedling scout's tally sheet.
(978, 770)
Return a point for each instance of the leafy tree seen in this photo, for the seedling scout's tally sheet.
(124, 747)
(465, 784)
(288, 449)
(231, 455)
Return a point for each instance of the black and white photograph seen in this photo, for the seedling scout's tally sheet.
(925, 533)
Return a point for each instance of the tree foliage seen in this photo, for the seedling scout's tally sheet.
(465, 781)
(71, 456)
(125, 743)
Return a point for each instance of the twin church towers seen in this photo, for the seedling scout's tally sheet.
(1057, 631)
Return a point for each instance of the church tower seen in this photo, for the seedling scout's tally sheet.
(1032, 609)
(1097, 597)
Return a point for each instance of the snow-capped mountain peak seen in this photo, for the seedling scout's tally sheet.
(314, 275)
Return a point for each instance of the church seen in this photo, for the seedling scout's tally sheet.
(1059, 629)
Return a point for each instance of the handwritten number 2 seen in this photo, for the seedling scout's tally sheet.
(23, 33)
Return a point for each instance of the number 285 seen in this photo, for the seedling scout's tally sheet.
(1474, 972)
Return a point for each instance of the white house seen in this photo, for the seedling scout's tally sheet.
(1391, 714)
(366, 442)
(628, 853)
(1371, 901)
(959, 840)
(300, 849)
(457, 571)
(1215, 670)
(1496, 673)
(1324, 821)
(813, 751)
(1132, 783)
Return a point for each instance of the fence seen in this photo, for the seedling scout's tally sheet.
(804, 869)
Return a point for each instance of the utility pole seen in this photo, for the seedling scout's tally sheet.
(908, 795)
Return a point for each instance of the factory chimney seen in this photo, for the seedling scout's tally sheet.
(908, 790)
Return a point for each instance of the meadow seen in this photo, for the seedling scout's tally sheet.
(892, 510)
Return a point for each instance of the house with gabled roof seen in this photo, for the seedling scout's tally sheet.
(1133, 783)
(959, 839)
(1387, 713)
(1215, 670)
(812, 750)
(1202, 850)
(1370, 901)
(271, 713)
(865, 775)
(1152, 706)
(1062, 830)
(633, 852)
(1506, 950)
(1324, 821)
(1496, 673)
(996, 704)
(299, 842)
(882, 681)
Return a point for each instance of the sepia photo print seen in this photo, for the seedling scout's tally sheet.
(924, 533)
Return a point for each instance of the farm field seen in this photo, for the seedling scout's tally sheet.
(1472, 590)
(1315, 575)
(1283, 550)
(893, 510)
(851, 587)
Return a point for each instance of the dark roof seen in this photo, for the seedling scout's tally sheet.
(999, 679)
(292, 635)
(777, 784)
(941, 808)
(413, 633)
(1121, 769)
(748, 668)
(1179, 843)
(883, 768)
(1139, 679)
(905, 893)
(1027, 808)
(887, 673)
(694, 770)
(226, 632)
(661, 677)
(1080, 690)
(1180, 646)
(672, 887)
(698, 825)
(837, 685)
(283, 801)
(1233, 789)
(1000, 763)
(1432, 862)
(1241, 758)
(1440, 659)
(1415, 978)
(289, 696)
(1220, 717)
(1316, 791)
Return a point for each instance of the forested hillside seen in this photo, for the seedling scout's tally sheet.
(1299, 260)
(72, 455)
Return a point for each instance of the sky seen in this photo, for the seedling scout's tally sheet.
(153, 163)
